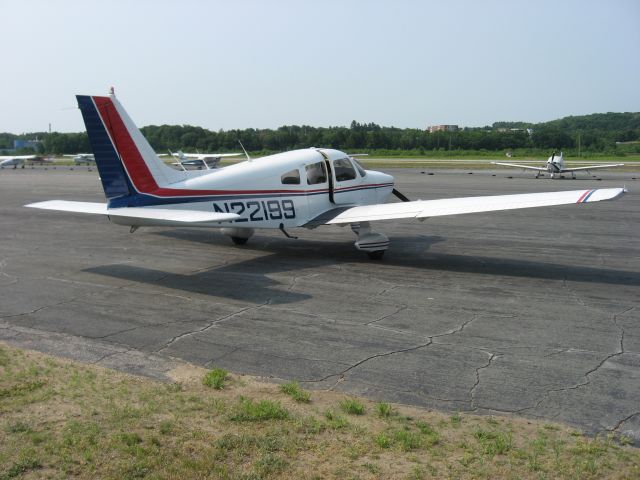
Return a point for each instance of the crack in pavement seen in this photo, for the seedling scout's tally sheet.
(210, 325)
(109, 355)
(621, 422)
(384, 317)
(457, 329)
(3, 265)
(341, 374)
(586, 375)
(36, 310)
(472, 392)
(297, 278)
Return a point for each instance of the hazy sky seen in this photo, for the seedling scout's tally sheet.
(263, 64)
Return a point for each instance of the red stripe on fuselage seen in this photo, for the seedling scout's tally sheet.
(141, 176)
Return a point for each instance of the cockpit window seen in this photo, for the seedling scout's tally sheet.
(316, 173)
(344, 170)
(361, 170)
(291, 178)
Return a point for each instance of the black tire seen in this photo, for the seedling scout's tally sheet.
(377, 255)
(239, 240)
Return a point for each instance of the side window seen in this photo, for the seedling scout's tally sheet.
(291, 178)
(361, 170)
(344, 170)
(316, 173)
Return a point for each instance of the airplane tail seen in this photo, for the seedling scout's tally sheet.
(131, 172)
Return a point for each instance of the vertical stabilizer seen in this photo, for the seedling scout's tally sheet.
(126, 162)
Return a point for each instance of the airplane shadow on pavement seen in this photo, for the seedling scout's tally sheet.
(411, 251)
(249, 280)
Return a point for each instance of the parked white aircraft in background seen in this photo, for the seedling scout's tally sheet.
(199, 160)
(556, 166)
(15, 160)
(301, 188)
(82, 158)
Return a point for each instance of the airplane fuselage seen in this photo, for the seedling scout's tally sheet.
(309, 183)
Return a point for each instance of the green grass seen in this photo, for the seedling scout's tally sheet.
(246, 410)
(335, 421)
(494, 442)
(294, 391)
(216, 378)
(384, 410)
(352, 406)
(83, 422)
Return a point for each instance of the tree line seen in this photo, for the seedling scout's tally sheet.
(589, 133)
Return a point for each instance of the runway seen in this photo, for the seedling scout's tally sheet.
(534, 312)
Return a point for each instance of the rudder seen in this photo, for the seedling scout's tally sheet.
(112, 174)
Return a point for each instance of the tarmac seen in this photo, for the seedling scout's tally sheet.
(530, 312)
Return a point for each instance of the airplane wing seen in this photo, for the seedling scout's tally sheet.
(161, 214)
(592, 167)
(456, 206)
(18, 157)
(528, 167)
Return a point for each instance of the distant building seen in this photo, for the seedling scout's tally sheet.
(18, 144)
(442, 128)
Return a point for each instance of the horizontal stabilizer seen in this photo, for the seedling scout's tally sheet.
(67, 206)
(164, 215)
(458, 206)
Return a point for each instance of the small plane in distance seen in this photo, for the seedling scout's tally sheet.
(306, 188)
(555, 166)
(199, 160)
(15, 160)
(82, 158)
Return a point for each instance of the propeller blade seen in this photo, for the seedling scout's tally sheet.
(400, 195)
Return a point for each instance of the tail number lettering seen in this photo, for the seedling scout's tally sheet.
(258, 210)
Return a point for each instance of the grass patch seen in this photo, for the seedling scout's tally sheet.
(384, 410)
(494, 442)
(352, 406)
(334, 420)
(294, 391)
(21, 467)
(216, 378)
(75, 421)
(246, 410)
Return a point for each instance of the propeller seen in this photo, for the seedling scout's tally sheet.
(400, 195)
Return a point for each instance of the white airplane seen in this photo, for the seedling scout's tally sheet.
(556, 166)
(15, 160)
(300, 188)
(199, 160)
(82, 158)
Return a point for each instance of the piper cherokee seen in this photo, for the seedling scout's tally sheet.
(301, 188)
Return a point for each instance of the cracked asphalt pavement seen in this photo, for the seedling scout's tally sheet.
(534, 312)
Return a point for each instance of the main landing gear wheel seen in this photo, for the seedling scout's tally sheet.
(372, 243)
(239, 240)
(239, 236)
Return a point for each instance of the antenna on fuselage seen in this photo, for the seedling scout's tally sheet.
(245, 152)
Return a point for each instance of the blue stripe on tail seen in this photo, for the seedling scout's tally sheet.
(114, 179)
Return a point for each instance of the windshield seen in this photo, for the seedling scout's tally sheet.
(361, 170)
